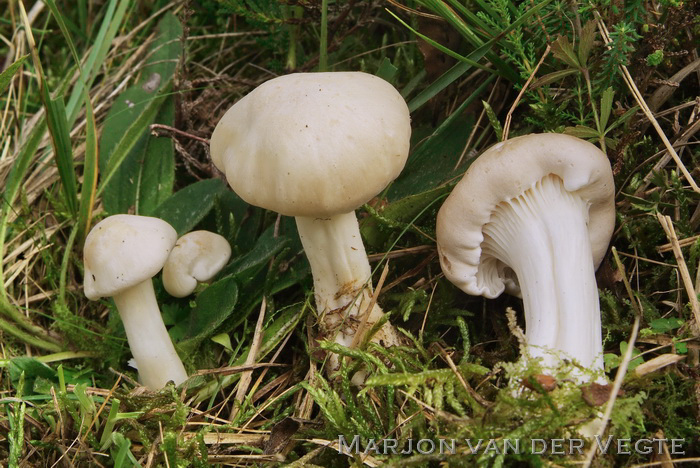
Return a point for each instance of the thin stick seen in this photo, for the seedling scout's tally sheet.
(368, 310)
(246, 376)
(506, 125)
(667, 224)
(643, 105)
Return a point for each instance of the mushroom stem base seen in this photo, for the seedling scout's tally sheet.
(543, 236)
(342, 280)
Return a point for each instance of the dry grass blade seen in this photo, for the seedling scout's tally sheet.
(657, 363)
(667, 224)
(367, 312)
(246, 376)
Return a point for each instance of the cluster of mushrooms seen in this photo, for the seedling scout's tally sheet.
(532, 216)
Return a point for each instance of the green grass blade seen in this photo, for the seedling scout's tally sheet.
(461, 68)
(108, 30)
(60, 139)
(64, 30)
(90, 171)
(6, 75)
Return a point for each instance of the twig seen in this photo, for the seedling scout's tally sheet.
(368, 311)
(246, 376)
(506, 125)
(155, 127)
(667, 224)
(643, 105)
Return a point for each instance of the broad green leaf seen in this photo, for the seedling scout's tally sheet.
(126, 122)
(146, 177)
(564, 51)
(387, 70)
(433, 162)
(32, 369)
(634, 361)
(248, 265)
(400, 212)
(664, 325)
(135, 109)
(184, 209)
(6, 75)
(586, 42)
(213, 305)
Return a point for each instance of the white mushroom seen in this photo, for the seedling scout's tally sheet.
(197, 256)
(535, 214)
(121, 255)
(317, 146)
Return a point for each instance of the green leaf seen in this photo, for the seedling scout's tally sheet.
(184, 209)
(493, 120)
(553, 77)
(433, 162)
(6, 75)
(453, 74)
(61, 142)
(135, 109)
(32, 369)
(581, 131)
(146, 177)
(95, 62)
(586, 42)
(387, 70)
(564, 51)
(634, 361)
(213, 305)
(246, 267)
(606, 102)
(664, 325)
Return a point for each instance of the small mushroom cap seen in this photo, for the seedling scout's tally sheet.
(505, 171)
(197, 256)
(121, 251)
(314, 144)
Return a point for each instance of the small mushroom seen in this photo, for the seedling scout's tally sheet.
(534, 215)
(197, 256)
(317, 146)
(121, 255)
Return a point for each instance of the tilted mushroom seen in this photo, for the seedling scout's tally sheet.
(535, 214)
(121, 255)
(317, 146)
(197, 256)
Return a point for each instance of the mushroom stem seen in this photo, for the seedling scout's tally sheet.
(342, 278)
(150, 344)
(543, 236)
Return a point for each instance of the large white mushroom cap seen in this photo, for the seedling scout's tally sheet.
(503, 172)
(122, 251)
(314, 144)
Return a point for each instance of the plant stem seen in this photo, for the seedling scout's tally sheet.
(323, 53)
